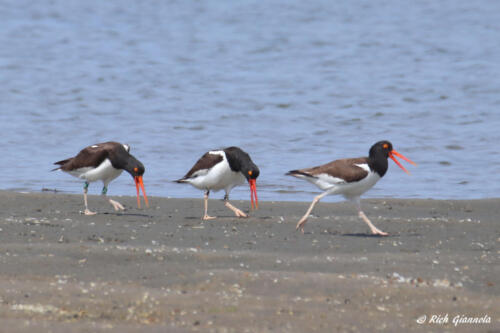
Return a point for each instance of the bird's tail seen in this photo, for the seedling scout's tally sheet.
(61, 163)
(298, 173)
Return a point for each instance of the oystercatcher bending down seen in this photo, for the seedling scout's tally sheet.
(351, 178)
(223, 170)
(104, 161)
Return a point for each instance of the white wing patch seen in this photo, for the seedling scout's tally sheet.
(79, 173)
(364, 166)
(218, 152)
(325, 181)
(201, 172)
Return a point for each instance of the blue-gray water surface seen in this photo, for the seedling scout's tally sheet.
(294, 83)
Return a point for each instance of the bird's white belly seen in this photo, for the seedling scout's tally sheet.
(105, 172)
(218, 177)
(339, 186)
(355, 189)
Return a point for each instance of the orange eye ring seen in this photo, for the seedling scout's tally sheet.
(136, 169)
(250, 172)
(385, 146)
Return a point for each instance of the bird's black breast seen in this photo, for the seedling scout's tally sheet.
(237, 158)
(379, 164)
(118, 157)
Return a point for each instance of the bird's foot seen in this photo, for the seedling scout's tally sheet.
(116, 205)
(89, 212)
(377, 231)
(374, 229)
(301, 223)
(239, 213)
(236, 211)
(207, 217)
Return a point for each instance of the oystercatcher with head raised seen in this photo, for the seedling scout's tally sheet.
(351, 178)
(104, 162)
(223, 170)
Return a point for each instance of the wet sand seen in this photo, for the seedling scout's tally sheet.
(164, 269)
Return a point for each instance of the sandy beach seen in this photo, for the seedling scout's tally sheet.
(164, 269)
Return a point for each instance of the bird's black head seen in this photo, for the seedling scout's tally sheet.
(240, 161)
(381, 148)
(251, 172)
(136, 170)
(134, 167)
(380, 152)
(122, 159)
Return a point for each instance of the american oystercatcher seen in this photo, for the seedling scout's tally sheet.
(223, 169)
(350, 177)
(104, 161)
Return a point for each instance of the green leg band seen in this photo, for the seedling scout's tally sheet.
(86, 186)
(104, 190)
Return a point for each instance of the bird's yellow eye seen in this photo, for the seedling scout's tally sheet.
(250, 172)
(136, 169)
(385, 146)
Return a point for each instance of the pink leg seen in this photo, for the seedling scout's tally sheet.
(205, 215)
(116, 205)
(235, 210)
(373, 229)
(303, 220)
(87, 210)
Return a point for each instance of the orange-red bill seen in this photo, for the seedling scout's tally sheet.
(253, 193)
(403, 157)
(138, 182)
(391, 155)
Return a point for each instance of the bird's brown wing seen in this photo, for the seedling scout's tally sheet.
(206, 162)
(345, 169)
(91, 156)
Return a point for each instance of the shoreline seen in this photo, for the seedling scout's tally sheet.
(196, 194)
(163, 268)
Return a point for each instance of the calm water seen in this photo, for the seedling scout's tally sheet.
(294, 83)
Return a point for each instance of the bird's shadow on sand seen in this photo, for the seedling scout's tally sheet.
(369, 235)
(359, 235)
(362, 235)
(229, 218)
(129, 214)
